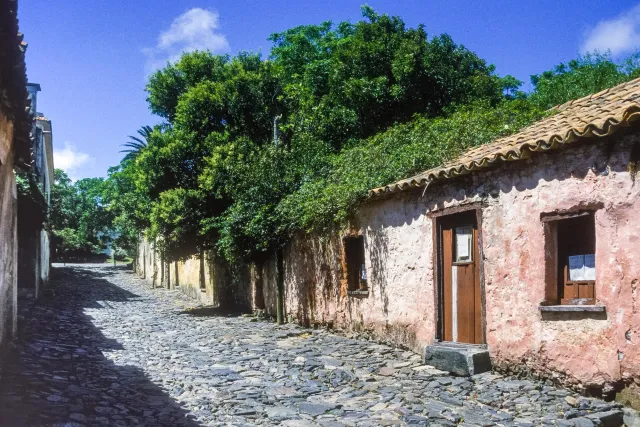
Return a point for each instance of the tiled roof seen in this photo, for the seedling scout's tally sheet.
(597, 115)
(14, 101)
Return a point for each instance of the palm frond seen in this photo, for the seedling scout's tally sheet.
(136, 144)
(145, 131)
(130, 156)
(144, 142)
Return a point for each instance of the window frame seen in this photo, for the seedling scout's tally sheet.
(558, 249)
(354, 264)
(469, 242)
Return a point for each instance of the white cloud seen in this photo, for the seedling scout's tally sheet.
(618, 35)
(196, 29)
(70, 159)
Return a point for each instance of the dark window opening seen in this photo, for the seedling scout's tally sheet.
(176, 279)
(203, 283)
(356, 270)
(571, 257)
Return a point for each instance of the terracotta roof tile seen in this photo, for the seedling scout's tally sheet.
(596, 115)
(14, 101)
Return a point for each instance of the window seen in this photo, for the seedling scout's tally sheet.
(355, 267)
(203, 283)
(463, 244)
(571, 246)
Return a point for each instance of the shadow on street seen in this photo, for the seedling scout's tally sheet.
(56, 371)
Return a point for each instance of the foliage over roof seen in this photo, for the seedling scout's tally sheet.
(597, 115)
(255, 150)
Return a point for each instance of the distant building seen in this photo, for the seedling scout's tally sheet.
(15, 129)
(34, 239)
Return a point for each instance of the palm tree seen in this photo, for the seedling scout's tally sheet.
(137, 144)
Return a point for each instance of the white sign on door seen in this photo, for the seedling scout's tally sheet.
(464, 239)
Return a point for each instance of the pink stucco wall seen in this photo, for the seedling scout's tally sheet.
(576, 348)
(591, 349)
(579, 349)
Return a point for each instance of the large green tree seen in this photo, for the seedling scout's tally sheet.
(80, 222)
(253, 150)
(350, 81)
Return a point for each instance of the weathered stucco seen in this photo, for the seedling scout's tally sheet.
(581, 349)
(399, 306)
(203, 279)
(578, 348)
(8, 235)
(591, 349)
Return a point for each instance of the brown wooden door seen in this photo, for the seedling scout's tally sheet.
(461, 305)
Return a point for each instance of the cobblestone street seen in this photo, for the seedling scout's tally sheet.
(105, 349)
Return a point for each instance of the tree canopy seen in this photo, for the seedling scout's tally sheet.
(79, 218)
(254, 149)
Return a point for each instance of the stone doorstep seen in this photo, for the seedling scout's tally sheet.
(458, 359)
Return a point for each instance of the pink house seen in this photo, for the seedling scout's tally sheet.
(529, 246)
(525, 250)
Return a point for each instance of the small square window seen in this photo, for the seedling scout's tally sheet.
(576, 259)
(571, 247)
(355, 267)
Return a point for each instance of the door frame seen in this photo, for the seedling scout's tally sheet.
(437, 260)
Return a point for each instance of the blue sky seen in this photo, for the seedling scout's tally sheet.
(92, 58)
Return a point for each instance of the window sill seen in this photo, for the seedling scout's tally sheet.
(358, 293)
(572, 308)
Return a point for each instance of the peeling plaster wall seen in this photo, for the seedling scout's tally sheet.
(34, 245)
(45, 254)
(398, 247)
(576, 348)
(189, 279)
(8, 235)
(46, 180)
(582, 347)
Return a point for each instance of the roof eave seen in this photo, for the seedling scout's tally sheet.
(520, 152)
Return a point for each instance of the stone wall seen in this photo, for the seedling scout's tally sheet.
(15, 125)
(8, 235)
(579, 349)
(202, 276)
(398, 249)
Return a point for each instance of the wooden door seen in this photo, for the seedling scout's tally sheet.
(461, 306)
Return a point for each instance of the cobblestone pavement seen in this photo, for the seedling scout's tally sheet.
(107, 350)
